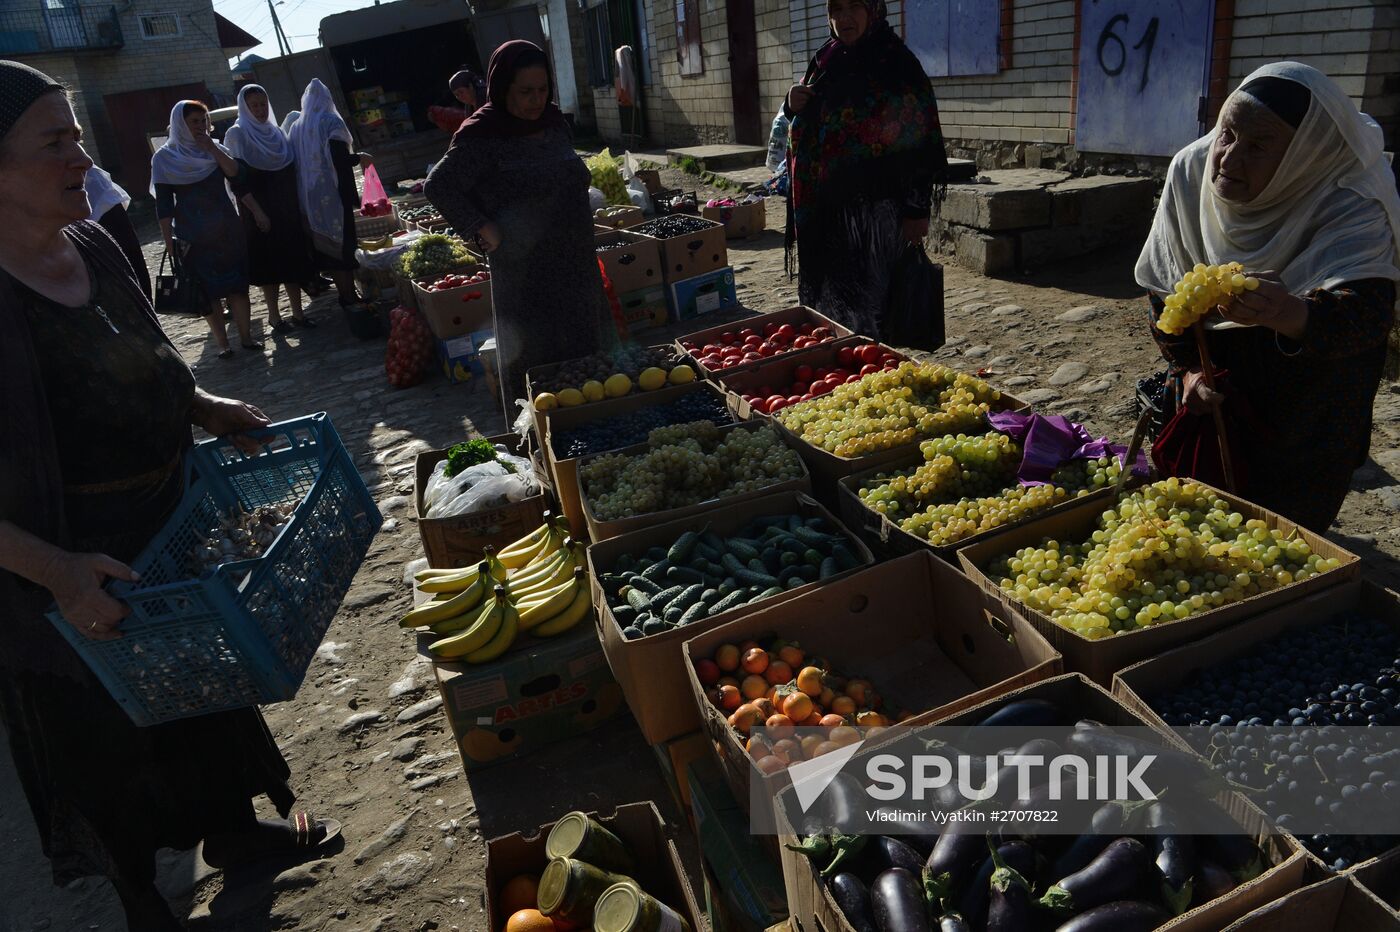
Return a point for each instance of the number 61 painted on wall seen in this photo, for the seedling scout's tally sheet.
(1149, 39)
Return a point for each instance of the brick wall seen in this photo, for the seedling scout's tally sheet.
(684, 111)
(775, 55)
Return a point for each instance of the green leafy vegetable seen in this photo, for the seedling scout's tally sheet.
(433, 255)
(469, 454)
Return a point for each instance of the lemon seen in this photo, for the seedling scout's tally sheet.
(545, 401)
(571, 397)
(682, 375)
(651, 379)
(593, 390)
(617, 385)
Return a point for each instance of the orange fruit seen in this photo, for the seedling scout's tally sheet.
(843, 705)
(831, 720)
(813, 720)
(728, 681)
(872, 732)
(753, 686)
(843, 735)
(792, 656)
(747, 646)
(758, 747)
(779, 673)
(787, 751)
(825, 699)
(529, 920)
(730, 698)
(519, 893)
(810, 743)
(798, 706)
(860, 691)
(779, 727)
(727, 658)
(771, 764)
(809, 680)
(825, 747)
(707, 671)
(765, 707)
(870, 719)
(744, 718)
(755, 660)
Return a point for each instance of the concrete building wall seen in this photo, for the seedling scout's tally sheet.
(775, 57)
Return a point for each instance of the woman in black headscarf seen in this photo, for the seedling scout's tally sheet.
(513, 179)
(95, 415)
(866, 153)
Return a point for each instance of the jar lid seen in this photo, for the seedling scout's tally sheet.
(618, 909)
(554, 883)
(567, 835)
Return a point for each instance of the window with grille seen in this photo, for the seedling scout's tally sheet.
(600, 50)
(160, 25)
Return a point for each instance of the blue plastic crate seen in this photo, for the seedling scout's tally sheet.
(244, 633)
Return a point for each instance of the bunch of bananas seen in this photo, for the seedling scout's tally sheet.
(537, 585)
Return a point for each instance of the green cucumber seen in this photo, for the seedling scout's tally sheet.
(653, 626)
(639, 600)
(704, 551)
(733, 600)
(693, 614)
(746, 575)
(645, 585)
(624, 614)
(743, 549)
(769, 593)
(709, 597)
(672, 615)
(684, 575)
(809, 572)
(683, 547)
(688, 597)
(770, 559)
(844, 558)
(829, 568)
(655, 555)
(814, 538)
(657, 571)
(788, 558)
(713, 541)
(813, 557)
(663, 598)
(757, 566)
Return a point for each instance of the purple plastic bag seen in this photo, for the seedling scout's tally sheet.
(1050, 441)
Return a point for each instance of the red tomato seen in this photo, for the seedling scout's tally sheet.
(808, 397)
(767, 349)
(727, 337)
(787, 331)
(888, 360)
(802, 373)
(780, 339)
(890, 368)
(752, 357)
(822, 333)
(834, 379)
(802, 343)
(845, 356)
(869, 370)
(794, 400)
(852, 379)
(775, 402)
(746, 333)
(770, 329)
(806, 329)
(819, 388)
(711, 362)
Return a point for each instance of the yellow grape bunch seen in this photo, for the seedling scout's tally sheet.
(1201, 289)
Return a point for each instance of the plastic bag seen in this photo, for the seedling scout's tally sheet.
(641, 197)
(442, 488)
(1050, 441)
(386, 260)
(914, 314)
(480, 488)
(410, 349)
(778, 142)
(374, 191)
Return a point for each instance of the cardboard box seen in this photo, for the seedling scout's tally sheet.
(645, 309)
(653, 671)
(366, 97)
(674, 757)
(448, 315)
(1100, 659)
(936, 651)
(740, 221)
(624, 218)
(1163, 672)
(651, 178)
(632, 263)
(374, 134)
(459, 541)
(694, 254)
(371, 116)
(642, 831)
(887, 537)
(1338, 904)
(747, 885)
(396, 111)
(460, 357)
(796, 315)
(399, 128)
(602, 530)
(777, 372)
(563, 473)
(542, 691)
(1381, 877)
(703, 294)
(814, 909)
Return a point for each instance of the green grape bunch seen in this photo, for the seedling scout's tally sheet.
(1163, 553)
(1199, 291)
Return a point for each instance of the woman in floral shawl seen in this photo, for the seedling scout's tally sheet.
(865, 158)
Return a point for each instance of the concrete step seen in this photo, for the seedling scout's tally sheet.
(722, 158)
(746, 179)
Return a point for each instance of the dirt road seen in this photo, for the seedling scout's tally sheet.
(365, 739)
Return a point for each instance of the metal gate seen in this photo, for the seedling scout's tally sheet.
(1143, 71)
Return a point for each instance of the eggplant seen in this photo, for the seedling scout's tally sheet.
(1212, 882)
(894, 853)
(854, 899)
(1119, 916)
(1008, 777)
(1027, 713)
(846, 850)
(1170, 768)
(1009, 909)
(952, 922)
(972, 903)
(922, 841)
(905, 828)
(1238, 854)
(1173, 854)
(843, 803)
(1108, 822)
(897, 902)
(955, 856)
(1114, 874)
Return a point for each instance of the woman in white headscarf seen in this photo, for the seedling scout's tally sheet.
(109, 203)
(326, 162)
(1291, 183)
(278, 251)
(189, 176)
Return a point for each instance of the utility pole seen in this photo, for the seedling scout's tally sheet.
(283, 45)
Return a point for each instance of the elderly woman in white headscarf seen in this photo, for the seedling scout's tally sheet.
(1293, 185)
(189, 178)
(326, 162)
(278, 251)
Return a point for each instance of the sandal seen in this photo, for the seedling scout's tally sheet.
(303, 323)
(300, 834)
(281, 326)
(226, 353)
(253, 345)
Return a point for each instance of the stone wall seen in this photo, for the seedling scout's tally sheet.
(775, 56)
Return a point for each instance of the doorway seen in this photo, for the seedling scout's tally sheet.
(743, 72)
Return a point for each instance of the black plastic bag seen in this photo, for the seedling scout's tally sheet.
(914, 315)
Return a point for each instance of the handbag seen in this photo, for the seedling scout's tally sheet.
(914, 311)
(177, 292)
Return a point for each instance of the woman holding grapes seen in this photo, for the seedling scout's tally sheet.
(1292, 185)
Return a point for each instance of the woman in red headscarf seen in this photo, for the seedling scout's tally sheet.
(513, 179)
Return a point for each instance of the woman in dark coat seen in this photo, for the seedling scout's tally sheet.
(326, 163)
(1293, 184)
(96, 407)
(189, 178)
(109, 203)
(278, 251)
(513, 179)
(866, 153)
